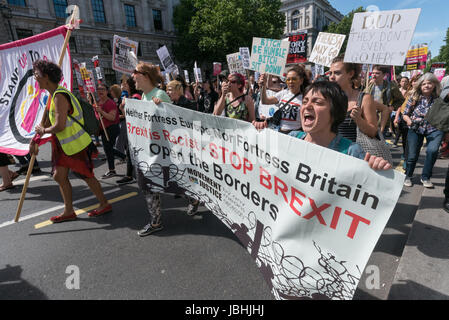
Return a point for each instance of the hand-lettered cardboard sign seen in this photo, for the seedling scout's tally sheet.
(381, 37)
(326, 48)
(269, 56)
(235, 63)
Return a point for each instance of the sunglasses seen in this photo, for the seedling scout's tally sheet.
(137, 71)
(232, 81)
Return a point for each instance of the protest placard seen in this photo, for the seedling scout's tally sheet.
(88, 77)
(186, 76)
(326, 48)
(381, 37)
(217, 68)
(97, 67)
(309, 216)
(244, 56)
(439, 73)
(269, 56)
(298, 48)
(235, 63)
(120, 54)
(165, 59)
(436, 65)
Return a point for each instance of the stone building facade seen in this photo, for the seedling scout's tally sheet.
(310, 15)
(149, 22)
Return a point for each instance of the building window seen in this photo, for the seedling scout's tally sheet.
(106, 47)
(24, 33)
(60, 8)
(98, 10)
(130, 14)
(72, 45)
(157, 18)
(19, 3)
(295, 24)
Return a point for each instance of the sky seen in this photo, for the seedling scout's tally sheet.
(432, 24)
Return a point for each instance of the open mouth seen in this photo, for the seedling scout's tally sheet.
(308, 119)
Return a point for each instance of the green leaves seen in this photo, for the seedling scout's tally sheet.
(208, 30)
(344, 26)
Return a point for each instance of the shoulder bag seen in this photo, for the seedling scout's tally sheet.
(275, 120)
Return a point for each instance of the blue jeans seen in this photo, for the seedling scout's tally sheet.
(414, 143)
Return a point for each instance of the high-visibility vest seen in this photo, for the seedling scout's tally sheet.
(73, 138)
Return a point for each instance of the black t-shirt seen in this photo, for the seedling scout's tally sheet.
(186, 103)
(206, 101)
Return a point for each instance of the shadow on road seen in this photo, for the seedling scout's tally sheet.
(13, 287)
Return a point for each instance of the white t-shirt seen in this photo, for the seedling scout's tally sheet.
(291, 119)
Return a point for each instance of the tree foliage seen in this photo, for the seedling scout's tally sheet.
(208, 30)
(344, 26)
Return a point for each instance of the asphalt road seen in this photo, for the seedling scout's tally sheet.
(193, 258)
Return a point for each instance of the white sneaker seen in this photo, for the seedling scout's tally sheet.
(408, 182)
(427, 183)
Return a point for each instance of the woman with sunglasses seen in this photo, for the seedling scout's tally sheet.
(147, 78)
(107, 109)
(233, 101)
(290, 99)
(72, 148)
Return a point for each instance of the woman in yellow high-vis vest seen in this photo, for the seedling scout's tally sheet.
(72, 147)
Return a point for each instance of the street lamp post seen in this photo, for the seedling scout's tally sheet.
(7, 14)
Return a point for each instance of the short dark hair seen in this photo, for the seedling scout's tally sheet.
(383, 69)
(52, 70)
(336, 97)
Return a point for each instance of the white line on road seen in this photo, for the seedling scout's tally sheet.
(40, 213)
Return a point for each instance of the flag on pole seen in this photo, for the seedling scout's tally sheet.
(22, 102)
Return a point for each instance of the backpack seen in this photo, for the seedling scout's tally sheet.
(91, 123)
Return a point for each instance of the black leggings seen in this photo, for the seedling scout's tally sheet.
(108, 146)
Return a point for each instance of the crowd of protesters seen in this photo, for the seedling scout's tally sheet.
(330, 110)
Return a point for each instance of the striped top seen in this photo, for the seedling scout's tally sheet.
(348, 128)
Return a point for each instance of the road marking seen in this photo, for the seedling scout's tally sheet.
(35, 178)
(89, 208)
(399, 167)
(37, 214)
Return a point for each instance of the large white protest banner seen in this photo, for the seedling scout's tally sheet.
(326, 48)
(235, 63)
(381, 37)
(269, 56)
(120, 54)
(22, 102)
(309, 216)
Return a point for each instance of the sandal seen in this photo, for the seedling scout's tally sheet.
(97, 212)
(14, 176)
(61, 218)
(10, 186)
